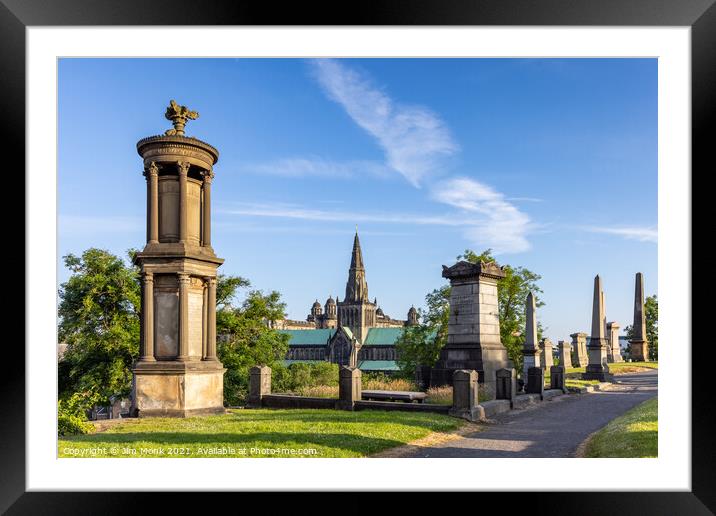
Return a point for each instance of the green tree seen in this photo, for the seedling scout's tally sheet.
(421, 345)
(245, 336)
(651, 313)
(98, 319)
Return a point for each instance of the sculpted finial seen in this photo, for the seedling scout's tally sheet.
(179, 116)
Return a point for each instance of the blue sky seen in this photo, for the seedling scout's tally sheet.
(552, 163)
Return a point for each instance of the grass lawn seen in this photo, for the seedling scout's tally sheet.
(634, 434)
(260, 433)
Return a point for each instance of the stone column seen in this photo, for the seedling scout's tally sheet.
(206, 216)
(183, 317)
(638, 342)
(597, 368)
(565, 354)
(183, 174)
(211, 319)
(147, 352)
(204, 320)
(530, 349)
(152, 204)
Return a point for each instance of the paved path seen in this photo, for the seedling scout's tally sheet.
(552, 428)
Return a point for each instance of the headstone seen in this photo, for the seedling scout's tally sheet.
(349, 387)
(535, 381)
(259, 385)
(473, 340)
(547, 353)
(506, 388)
(579, 349)
(615, 352)
(530, 349)
(597, 368)
(557, 378)
(178, 373)
(465, 396)
(565, 354)
(639, 344)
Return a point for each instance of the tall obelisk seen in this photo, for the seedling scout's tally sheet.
(639, 343)
(597, 368)
(530, 349)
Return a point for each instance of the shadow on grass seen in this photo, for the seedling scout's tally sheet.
(422, 420)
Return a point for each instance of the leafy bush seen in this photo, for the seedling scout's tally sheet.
(300, 376)
(72, 414)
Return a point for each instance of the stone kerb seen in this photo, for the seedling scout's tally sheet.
(259, 385)
(465, 396)
(557, 378)
(535, 381)
(349, 388)
(506, 387)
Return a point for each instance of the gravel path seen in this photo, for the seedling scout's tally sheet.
(551, 429)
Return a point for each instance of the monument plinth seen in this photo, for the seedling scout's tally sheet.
(638, 343)
(473, 327)
(597, 368)
(178, 372)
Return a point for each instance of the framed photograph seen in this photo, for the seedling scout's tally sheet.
(387, 252)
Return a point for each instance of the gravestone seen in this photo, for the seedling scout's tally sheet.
(473, 340)
(597, 368)
(465, 396)
(506, 388)
(565, 354)
(349, 387)
(638, 342)
(546, 348)
(615, 354)
(557, 378)
(579, 349)
(535, 381)
(259, 385)
(178, 373)
(530, 349)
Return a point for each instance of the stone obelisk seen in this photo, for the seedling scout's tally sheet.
(473, 340)
(178, 373)
(597, 368)
(530, 350)
(638, 342)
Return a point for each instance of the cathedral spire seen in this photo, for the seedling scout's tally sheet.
(356, 287)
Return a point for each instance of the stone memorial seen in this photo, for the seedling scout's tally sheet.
(506, 388)
(535, 381)
(178, 373)
(579, 349)
(639, 344)
(465, 396)
(259, 385)
(615, 352)
(349, 387)
(473, 340)
(546, 347)
(565, 353)
(530, 349)
(597, 368)
(557, 378)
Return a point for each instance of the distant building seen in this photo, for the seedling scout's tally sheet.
(353, 332)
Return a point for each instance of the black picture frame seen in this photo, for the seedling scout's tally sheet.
(700, 15)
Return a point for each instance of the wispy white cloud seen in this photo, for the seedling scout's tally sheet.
(414, 138)
(494, 222)
(641, 234)
(313, 166)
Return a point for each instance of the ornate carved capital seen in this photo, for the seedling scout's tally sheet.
(183, 167)
(210, 280)
(152, 170)
(208, 176)
(184, 278)
(148, 277)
